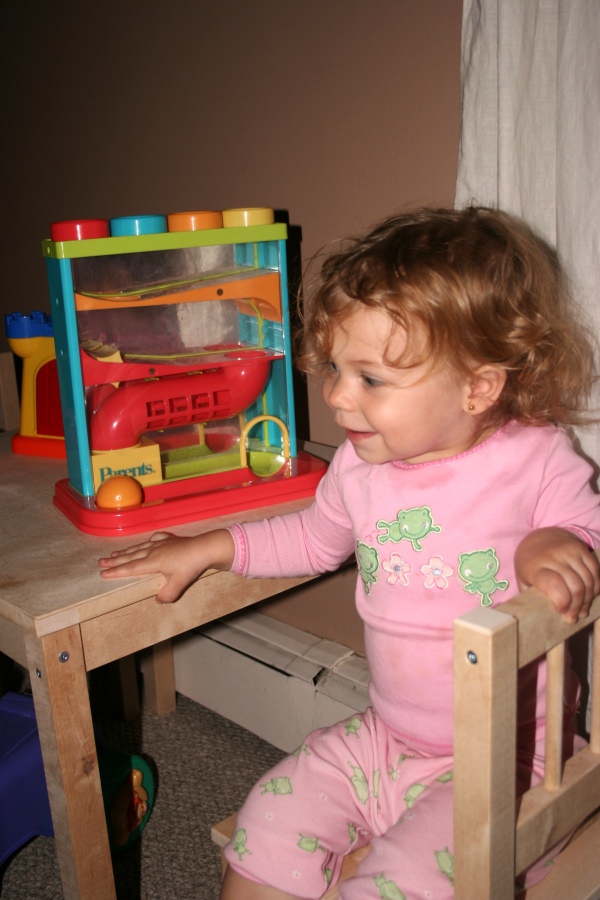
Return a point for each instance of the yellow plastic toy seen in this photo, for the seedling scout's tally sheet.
(41, 428)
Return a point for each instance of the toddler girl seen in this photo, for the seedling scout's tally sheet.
(449, 356)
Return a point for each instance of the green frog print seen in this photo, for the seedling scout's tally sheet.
(239, 843)
(303, 748)
(411, 525)
(478, 571)
(310, 844)
(394, 771)
(445, 862)
(368, 564)
(352, 725)
(389, 890)
(359, 783)
(280, 785)
(414, 791)
(446, 777)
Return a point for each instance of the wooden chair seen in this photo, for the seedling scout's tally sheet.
(496, 836)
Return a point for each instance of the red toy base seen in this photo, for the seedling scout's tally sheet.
(30, 445)
(298, 478)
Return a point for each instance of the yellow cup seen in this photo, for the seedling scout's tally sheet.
(255, 215)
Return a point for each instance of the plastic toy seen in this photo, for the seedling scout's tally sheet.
(174, 363)
(119, 492)
(127, 783)
(128, 792)
(41, 428)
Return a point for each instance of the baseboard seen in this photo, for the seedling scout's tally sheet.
(277, 681)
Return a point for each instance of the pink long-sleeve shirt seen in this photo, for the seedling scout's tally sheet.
(432, 540)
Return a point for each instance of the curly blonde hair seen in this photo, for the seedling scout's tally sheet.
(482, 288)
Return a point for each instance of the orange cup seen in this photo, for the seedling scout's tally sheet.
(195, 221)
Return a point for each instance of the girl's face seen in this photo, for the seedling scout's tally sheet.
(390, 413)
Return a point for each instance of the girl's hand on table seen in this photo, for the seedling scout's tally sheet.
(180, 559)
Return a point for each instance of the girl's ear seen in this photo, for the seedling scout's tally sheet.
(485, 387)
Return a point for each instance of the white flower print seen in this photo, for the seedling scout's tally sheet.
(398, 570)
(436, 573)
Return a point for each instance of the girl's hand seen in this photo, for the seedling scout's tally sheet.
(558, 563)
(180, 559)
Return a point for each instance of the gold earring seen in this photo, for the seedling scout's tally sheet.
(471, 407)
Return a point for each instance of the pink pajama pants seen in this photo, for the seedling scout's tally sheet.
(349, 785)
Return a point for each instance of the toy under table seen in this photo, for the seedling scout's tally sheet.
(127, 783)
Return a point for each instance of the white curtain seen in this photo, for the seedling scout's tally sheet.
(530, 129)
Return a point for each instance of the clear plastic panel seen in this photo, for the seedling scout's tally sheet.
(146, 275)
(169, 330)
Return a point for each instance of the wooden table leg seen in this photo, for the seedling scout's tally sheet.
(130, 696)
(62, 706)
(159, 679)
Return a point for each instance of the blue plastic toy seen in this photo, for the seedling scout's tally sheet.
(127, 783)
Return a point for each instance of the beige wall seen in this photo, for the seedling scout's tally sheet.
(335, 112)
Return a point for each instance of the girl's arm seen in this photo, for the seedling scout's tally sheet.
(561, 565)
(180, 559)
(317, 539)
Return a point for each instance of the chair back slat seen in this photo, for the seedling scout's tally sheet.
(555, 687)
(595, 691)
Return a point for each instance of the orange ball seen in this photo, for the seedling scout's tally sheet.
(119, 492)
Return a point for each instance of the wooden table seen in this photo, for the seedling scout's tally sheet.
(60, 620)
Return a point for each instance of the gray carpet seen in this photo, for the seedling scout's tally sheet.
(203, 767)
